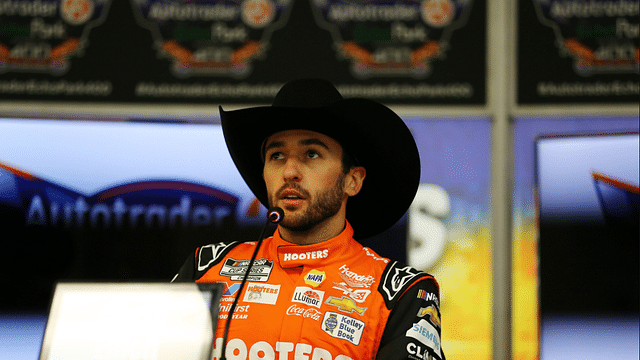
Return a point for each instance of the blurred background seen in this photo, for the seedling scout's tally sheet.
(113, 166)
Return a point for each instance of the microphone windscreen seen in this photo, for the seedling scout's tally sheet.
(275, 214)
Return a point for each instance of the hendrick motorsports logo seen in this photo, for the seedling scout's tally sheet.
(148, 204)
(391, 37)
(211, 37)
(42, 35)
(600, 35)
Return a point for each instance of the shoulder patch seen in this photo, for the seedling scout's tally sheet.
(395, 280)
(210, 255)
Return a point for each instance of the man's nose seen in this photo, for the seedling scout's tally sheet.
(292, 170)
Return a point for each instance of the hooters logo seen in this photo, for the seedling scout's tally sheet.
(239, 349)
(262, 293)
(310, 255)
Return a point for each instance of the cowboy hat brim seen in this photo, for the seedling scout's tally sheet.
(377, 138)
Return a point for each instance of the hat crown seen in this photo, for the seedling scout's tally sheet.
(307, 93)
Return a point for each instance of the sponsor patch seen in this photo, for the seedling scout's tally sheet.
(359, 295)
(432, 313)
(314, 277)
(239, 313)
(428, 296)
(419, 351)
(261, 293)
(310, 255)
(235, 269)
(231, 289)
(281, 350)
(373, 255)
(424, 332)
(343, 327)
(345, 304)
(356, 280)
(307, 313)
(308, 296)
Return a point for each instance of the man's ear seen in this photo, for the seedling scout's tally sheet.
(353, 180)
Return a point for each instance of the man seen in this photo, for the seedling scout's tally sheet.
(342, 170)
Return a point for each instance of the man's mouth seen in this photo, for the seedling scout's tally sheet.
(291, 196)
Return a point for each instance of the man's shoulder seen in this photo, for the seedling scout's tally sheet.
(397, 278)
(209, 255)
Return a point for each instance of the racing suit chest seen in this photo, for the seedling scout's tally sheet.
(300, 302)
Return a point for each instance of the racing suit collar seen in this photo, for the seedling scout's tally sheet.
(292, 255)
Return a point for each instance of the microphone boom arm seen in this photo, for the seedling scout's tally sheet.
(274, 215)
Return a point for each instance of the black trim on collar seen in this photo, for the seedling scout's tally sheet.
(210, 255)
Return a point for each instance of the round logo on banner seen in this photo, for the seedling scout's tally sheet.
(76, 12)
(258, 13)
(437, 13)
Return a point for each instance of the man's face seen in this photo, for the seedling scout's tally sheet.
(304, 176)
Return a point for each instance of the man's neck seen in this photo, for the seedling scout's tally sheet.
(317, 234)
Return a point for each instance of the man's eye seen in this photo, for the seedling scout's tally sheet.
(313, 154)
(275, 156)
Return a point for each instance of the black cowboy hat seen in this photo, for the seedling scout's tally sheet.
(372, 133)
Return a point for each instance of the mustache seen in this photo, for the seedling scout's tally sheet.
(292, 186)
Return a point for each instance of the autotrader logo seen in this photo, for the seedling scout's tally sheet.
(156, 203)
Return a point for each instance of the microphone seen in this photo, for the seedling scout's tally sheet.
(274, 216)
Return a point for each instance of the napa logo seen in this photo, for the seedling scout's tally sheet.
(314, 277)
(148, 204)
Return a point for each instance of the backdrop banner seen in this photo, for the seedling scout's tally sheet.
(577, 51)
(232, 51)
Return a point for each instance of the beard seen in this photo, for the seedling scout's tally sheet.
(323, 206)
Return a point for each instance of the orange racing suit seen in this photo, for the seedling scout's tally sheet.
(335, 300)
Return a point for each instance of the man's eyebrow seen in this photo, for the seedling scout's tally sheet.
(272, 145)
(313, 141)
